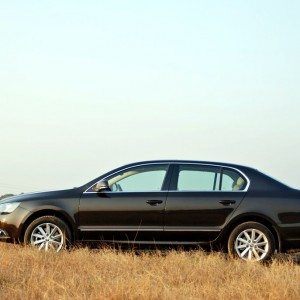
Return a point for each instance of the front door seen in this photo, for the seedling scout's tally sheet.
(200, 201)
(131, 211)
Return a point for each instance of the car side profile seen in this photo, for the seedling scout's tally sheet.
(163, 202)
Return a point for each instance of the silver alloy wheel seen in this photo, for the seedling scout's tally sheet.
(47, 236)
(252, 244)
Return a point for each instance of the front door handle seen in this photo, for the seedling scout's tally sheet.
(227, 202)
(154, 202)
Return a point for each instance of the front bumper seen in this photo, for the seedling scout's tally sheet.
(3, 234)
(11, 224)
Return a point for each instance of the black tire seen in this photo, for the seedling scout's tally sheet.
(237, 246)
(63, 232)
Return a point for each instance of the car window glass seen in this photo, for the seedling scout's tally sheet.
(227, 183)
(232, 181)
(198, 178)
(146, 178)
(209, 178)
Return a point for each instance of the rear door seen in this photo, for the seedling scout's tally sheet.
(200, 201)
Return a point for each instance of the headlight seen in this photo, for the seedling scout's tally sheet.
(7, 208)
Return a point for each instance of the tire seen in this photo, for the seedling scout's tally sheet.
(48, 233)
(251, 241)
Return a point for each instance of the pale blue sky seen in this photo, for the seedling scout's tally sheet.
(87, 86)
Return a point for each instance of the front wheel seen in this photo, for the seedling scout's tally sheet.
(48, 233)
(251, 241)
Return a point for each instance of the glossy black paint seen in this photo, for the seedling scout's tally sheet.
(129, 212)
(199, 212)
(167, 216)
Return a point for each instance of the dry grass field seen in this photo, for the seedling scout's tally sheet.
(113, 274)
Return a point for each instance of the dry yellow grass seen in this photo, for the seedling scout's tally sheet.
(110, 274)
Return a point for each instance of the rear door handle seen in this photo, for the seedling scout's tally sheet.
(154, 202)
(227, 202)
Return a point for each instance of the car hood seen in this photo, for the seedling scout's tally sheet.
(39, 195)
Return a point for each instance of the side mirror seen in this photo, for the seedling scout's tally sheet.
(101, 186)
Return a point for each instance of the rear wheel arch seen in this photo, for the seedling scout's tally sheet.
(47, 212)
(253, 218)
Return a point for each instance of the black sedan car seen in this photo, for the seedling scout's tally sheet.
(163, 202)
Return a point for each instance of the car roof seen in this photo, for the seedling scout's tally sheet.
(189, 161)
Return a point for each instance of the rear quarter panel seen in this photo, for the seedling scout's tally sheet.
(280, 208)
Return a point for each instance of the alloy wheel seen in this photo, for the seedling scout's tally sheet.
(47, 236)
(252, 245)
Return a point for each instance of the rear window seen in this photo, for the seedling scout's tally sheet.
(209, 178)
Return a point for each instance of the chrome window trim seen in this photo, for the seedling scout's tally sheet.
(194, 191)
(174, 163)
(132, 166)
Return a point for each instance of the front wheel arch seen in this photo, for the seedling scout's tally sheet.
(46, 212)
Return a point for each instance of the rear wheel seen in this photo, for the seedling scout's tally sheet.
(251, 241)
(48, 233)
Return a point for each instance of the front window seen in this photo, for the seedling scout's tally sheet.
(139, 179)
